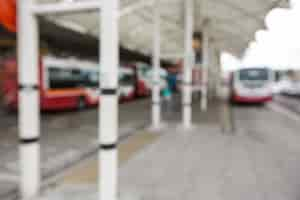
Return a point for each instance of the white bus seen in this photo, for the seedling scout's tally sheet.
(252, 85)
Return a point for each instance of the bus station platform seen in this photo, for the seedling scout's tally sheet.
(232, 152)
(253, 160)
(144, 147)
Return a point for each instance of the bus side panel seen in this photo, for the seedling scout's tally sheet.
(66, 99)
(129, 97)
(142, 90)
(59, 103)
(10, 83)
(48, 100)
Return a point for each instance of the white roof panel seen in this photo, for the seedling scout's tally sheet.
(233, 23)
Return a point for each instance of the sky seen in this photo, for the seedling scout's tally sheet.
(277, 47)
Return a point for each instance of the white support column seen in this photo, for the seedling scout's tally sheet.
(215, 70)
(219, 73)
(188, 60)
(212, 71)
(29, 110)
(156, 105)
(108, 108)
(205, 66)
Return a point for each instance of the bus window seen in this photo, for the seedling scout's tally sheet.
(254, 75)
(64, 78)
(127, 79)
(91, 79)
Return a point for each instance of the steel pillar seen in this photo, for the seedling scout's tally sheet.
(216, 73)
(206, 63)
(212, 71)
(188, 61)
(156, 105)
(29, 105)
(219, 72)
(108, 113)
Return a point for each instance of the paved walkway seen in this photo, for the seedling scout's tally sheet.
(260, 161)
(66, 138)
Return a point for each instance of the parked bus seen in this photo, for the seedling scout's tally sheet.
(141, 86)
(251, 85)
(64, 84)
(127, 82)
(143, 89)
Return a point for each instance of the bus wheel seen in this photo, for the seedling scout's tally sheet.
(81, 105)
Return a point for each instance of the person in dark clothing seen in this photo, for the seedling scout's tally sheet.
(172, 79)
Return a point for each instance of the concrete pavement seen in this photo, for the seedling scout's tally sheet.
(259, 160)
(66, 137)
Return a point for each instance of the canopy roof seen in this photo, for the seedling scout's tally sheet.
(232, 23)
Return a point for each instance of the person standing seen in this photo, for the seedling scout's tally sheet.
(167, 98)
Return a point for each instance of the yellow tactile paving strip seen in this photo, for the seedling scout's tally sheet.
(88, 173)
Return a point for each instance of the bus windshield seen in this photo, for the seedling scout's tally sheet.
(127, 79)
(253, 75)
(70, 78)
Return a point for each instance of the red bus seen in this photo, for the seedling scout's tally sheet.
(127, 82)
(142, 86)
(64, 84)
(70, 83)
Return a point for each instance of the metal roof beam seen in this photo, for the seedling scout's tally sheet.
(66, 7)
(135, 6)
